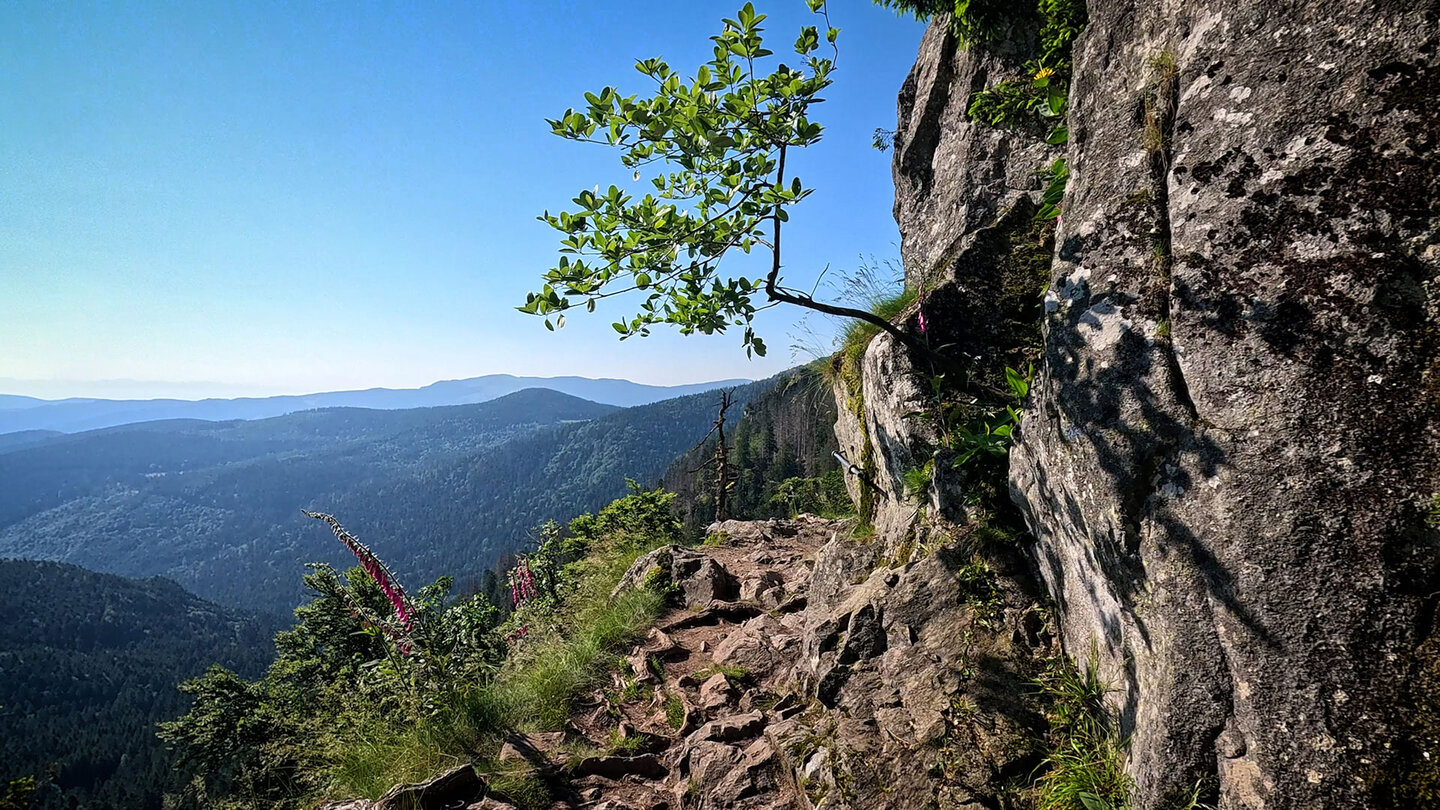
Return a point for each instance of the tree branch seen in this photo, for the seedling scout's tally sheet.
(776, 293)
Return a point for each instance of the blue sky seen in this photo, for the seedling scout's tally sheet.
(256, 198)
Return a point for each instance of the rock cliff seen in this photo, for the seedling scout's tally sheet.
(1228, 459)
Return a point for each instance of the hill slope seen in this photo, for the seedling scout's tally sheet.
(72, 415)
(89, 664)
(434, 491)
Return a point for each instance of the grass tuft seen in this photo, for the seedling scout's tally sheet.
(1085, 765)
(675, 711)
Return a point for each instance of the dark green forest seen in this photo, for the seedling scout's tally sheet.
(88, 666)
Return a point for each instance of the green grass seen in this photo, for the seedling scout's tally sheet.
(538, 691)
(845, 363)
(1084, 767)
(675, 711)
(731, 673)
(525, 790)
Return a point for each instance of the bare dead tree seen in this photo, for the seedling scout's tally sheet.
(721, 459)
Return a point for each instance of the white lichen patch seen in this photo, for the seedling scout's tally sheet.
(1106, 327)
(1076, 285)
(1234, 118)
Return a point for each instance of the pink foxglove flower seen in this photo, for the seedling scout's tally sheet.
(920, 309)
(374, 568)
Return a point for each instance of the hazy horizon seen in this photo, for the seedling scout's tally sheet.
(198, 390)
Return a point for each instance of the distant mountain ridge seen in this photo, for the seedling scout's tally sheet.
(19, 413)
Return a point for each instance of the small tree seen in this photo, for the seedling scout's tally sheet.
(722, 138)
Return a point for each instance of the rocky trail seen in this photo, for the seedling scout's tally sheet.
(799, 668)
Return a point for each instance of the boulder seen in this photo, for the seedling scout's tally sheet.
(749, 650)
(451, 788)
(702, 580)
(765, 587)
(716, 692)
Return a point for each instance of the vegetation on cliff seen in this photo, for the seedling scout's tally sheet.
(363, 696)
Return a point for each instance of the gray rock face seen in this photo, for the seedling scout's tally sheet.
(1230, 449)
(1229, 453)
(924, 691)
(952, 178)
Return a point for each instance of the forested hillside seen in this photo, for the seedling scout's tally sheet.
(779, 452)
(439, 490)
(88, 666)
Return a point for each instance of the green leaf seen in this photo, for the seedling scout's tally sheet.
(1056, 99)
(1093, 802)
(1059, 135)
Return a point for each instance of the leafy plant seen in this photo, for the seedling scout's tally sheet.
(992, 433)
(918, 479)
(1042, 91)
(720, 141)
(17, 794)
(974, 21)
(1054, 194)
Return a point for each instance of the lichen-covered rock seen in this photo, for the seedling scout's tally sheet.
(1231, 449)
(901, 437)
(953, 179)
